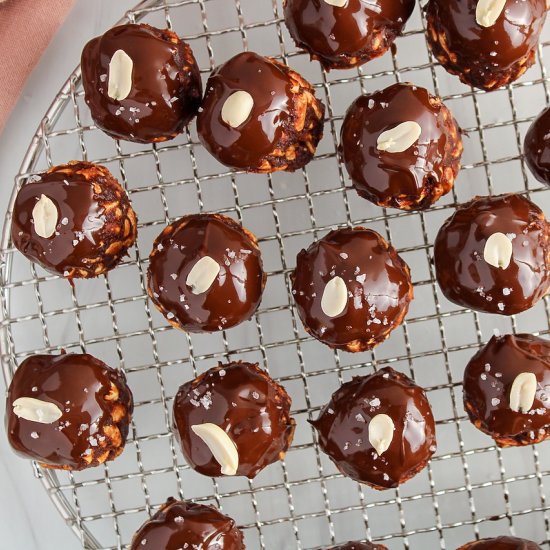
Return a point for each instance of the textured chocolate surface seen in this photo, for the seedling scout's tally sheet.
(247, 404)
(378, 283)
(412, 179)
(96, 224)
(536, 147)
(468, 280)
(485, 57)
(166, 86)
(236, 292)
(180, 525)
(501, 543)
(359, 546)
(95, 401)
(283, 128)
(346, 36)
(488, 380)
(344, 422)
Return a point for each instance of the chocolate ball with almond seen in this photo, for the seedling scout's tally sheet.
(180, 525)
(205, 273)
(493, 255)
(351, 289)
(401, 147)
(259, 115)
(141, 83)
(378, 429)
(487, 44)
(359, 546)
(74, 220)
(507, 389)
(233, 420)
(68, 411)
(501, 543)
(536, 147)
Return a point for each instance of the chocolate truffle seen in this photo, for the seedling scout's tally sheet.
(351, 289)
(501, 543)
(537, 147)
(401, 147)
(506, 387)
(493, 255)
(345, 33)
(184, 524)
(142, 84)
(68, 411)
(486, 44)
(233, 420)
(74, 220)
(205, 273)
(378, 429)
(359, 546)
(258, 115)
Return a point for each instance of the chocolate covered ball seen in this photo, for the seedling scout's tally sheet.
(259, 115)
(401, 147)
(182, 525)
(205, 273)
(141, 83)
(351, 289)
(68, 411)
(74, 220)
(233, 420)
(359, 546)
(536, 147)
(493, 255)
(378, 429)
(501, 543)
(486, 44)
(346, 33)
(506, 386)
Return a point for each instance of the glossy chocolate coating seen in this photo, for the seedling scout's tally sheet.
(343, 428)
(96, 224)
(166, 86)
(343, 37)
(488, 380)
(536, 147)
(485, 57)
(97, 408)
(236, 292)
(416, 177)
(284, 125)
(359, 546)
(501, 543)
(247, 404)
(184, 524)
(378, 282)
(468, 280)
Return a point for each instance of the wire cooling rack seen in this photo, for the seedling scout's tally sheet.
(471, 489)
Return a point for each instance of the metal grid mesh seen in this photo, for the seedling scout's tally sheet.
(471, 489)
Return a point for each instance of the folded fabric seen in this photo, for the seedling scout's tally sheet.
(26, 28)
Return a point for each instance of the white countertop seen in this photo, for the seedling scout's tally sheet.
(28, 519)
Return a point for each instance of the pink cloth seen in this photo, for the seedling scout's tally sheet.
(26, 28)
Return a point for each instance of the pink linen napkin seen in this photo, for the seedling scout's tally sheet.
(26, 28)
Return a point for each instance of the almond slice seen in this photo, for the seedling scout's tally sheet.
(523, 392)
(44, 217)
(488, 11)
(202, 275)
(337, 3)
(400, 138)
(237, 108)
(221, 446)
(36, 410)
(120, 76)
(381, 429)
(335, 297)
(498, 250)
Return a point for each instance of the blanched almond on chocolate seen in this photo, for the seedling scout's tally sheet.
(335, 297)
(400, 138)
(36, 410)
(44, 217)
(237, 108)
(337, 3)
(221, 446)
(381, 429)
(202, 275)
(523, 392)
(498, 250)
(488, 11)
(120, 75)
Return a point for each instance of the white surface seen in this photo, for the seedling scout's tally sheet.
(29, 521)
